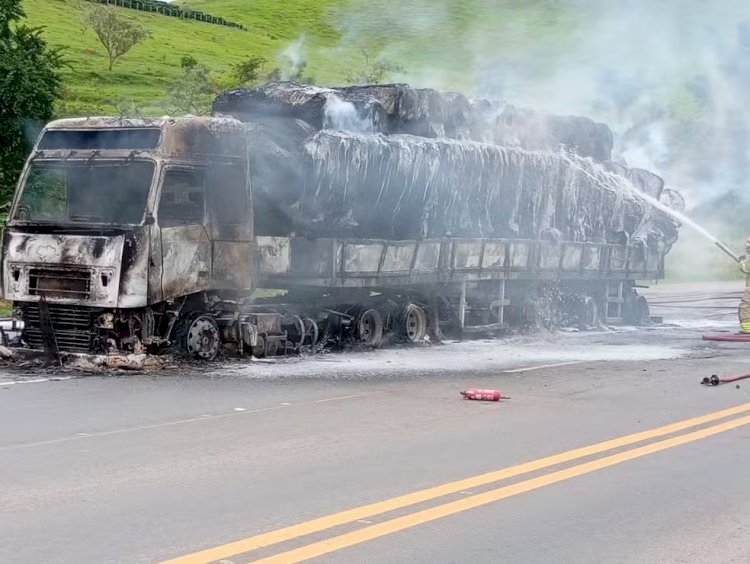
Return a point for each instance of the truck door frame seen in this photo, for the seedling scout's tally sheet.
(186, 246)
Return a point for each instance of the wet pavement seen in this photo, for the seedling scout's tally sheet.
(145, 467)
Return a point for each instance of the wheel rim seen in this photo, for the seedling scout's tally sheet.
(259, 350)
(301, 328)
(297, 333)
(415, 323)
(312, 332)
(370, 328)
(203, 341)
(273, 346)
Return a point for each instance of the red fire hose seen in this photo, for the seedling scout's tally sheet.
(714, 380)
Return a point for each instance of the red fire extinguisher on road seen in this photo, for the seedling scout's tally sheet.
(483, 395)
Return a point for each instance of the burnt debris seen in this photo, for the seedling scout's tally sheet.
(393, 162)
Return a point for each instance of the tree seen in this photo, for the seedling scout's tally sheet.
(192, 92)
(275, 74)
(299, 74)
(296, 74)
(188, 62)
(29, 87)
(248, 71)
(118, 35)
(125, 107)
(373, 70)
(294, 65)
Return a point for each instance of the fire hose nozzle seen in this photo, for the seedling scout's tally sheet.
(727, 250)
(712, 381)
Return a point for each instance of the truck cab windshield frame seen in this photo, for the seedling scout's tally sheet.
(75, 191)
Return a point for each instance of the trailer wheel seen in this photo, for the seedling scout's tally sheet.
(312, 333)
(370, 328)
(415, 323)
(636, 311)
(296, 332)
(274, 347)
(259, 350)
(197, 335)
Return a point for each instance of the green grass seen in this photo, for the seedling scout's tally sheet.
(279, 20)
(145, 73)
(436, 43)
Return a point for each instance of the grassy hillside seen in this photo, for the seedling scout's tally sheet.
(146, 72)
(278, 20)
(436, 43)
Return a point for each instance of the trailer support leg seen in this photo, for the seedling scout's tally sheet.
(462, 309)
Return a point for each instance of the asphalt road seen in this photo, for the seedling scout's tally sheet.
(373, 457)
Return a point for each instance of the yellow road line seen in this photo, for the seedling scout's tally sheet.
(362, 512)
(407, 521)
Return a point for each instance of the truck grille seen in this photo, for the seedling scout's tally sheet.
(71, 283)
(72, 326)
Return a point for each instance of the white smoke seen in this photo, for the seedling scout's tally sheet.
(342, 115)
(294, 52)
(652, 70)
(668, 76)
(293, 60)
(663, 75)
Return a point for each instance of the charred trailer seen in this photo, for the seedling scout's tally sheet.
(134, 234)
(400, 208)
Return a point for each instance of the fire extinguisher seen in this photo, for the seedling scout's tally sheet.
(483, 395)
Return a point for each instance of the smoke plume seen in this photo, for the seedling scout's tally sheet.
(293, 57)
(668, 76)
(648, 69)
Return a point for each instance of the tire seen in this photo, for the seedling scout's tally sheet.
(370, 328)
(637, 312)
(414, 321)
(197, 336)
(259, 350)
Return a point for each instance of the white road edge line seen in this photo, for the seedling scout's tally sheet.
(181, 421)
(542, 366)
(34, 380)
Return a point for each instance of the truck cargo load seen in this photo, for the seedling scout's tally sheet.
(392, 162)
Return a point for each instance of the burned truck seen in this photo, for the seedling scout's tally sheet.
(300, 217)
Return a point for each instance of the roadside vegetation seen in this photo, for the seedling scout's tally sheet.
(30, 84)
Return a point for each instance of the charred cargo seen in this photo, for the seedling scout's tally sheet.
(379, 212)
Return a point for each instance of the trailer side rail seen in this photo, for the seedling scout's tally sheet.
(284, 262)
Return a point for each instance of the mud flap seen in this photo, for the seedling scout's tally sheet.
(51, 350)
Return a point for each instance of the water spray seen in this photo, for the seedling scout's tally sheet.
(614, 181)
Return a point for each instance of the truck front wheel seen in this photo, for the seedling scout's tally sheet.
(197, 336)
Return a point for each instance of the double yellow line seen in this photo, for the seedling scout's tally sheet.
(412, 519)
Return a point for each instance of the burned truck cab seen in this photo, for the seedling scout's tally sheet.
(127, 229)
